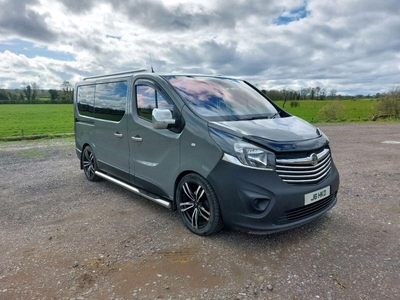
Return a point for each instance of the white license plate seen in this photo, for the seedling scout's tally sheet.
(317, 195)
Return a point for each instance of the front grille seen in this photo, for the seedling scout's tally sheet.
(302, 212)
(305, 170)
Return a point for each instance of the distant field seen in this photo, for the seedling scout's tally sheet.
(38, 119)
(35, 119)
(352, 110)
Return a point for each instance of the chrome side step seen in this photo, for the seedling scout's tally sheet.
(135, 190)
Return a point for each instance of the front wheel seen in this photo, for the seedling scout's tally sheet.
(89, 164)
(198, 205)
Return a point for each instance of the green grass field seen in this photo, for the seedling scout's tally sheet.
(35, 119)
(352, 111)
(40, 119)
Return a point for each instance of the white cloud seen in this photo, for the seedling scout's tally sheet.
(348, 45)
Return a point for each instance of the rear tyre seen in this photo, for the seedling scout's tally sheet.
(198, 205)
(89, 164)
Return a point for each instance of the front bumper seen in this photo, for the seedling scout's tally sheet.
(259, 202)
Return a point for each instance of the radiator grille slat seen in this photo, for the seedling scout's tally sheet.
(305, 170)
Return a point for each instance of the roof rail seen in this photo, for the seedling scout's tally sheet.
(115, 74)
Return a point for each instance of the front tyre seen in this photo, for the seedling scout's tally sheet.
(89, 164)
(198, 205)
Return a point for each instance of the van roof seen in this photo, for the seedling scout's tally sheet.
(115, 74)
(132, 72)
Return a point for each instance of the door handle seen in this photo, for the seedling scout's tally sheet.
(118, 135)
(137, 138)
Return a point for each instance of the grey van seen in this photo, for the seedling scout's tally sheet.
(214, 148)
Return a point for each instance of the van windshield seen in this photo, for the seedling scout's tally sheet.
(217, 98)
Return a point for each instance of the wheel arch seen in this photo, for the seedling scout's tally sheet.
(178, 179)
(210, 205)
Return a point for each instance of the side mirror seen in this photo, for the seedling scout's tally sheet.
(162, 118)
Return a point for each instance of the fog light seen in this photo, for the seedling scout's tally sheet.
(261, 204)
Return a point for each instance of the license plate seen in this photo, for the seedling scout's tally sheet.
(317, 195)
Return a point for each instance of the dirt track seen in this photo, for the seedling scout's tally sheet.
(63, 237)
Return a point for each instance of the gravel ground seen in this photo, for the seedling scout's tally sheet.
(63, 237)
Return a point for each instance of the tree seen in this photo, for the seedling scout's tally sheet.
(34, 91)
(12, 97)
(274, 95)
(68, 91)
(3, 95)
(317, 92)
(322, 94)
(21, 97)
(332, 93)
(53, 94)
(304, 92)
(285, 94)
(312, 93)
(30, 92)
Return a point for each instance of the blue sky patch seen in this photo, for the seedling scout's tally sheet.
(292, 16)
(31, 50)
(113, 37)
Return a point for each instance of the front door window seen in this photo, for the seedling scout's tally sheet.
(147, 99)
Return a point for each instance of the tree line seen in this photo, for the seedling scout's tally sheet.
(311, 93)
(32, 94)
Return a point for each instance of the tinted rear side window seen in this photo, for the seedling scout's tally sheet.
(110, 100)
(85, 100)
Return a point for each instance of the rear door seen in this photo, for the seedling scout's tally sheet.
(154, 153)
(111, 126)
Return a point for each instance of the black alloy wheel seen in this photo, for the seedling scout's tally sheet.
(89, 164)
(198, 205)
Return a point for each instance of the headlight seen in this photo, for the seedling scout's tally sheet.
(242, 153)
(251, 155)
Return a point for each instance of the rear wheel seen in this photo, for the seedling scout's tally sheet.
(198, 205)
(89, 164)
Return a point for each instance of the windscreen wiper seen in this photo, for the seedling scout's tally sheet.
(256, 118)
(275, 115)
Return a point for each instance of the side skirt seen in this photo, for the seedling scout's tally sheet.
(135, 190)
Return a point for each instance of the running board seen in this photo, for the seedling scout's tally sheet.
(135, 190)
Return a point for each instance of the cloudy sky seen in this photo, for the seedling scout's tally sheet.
(352, 46)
